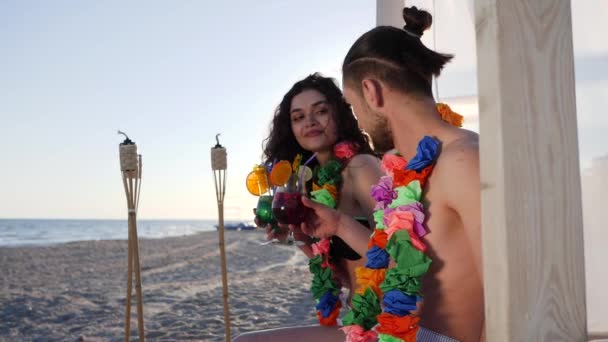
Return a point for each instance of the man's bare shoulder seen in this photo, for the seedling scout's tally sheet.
(459, 158)
(464, 148)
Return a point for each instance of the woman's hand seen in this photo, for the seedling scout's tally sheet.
(299, 235)
(278, 232)
(256, 220)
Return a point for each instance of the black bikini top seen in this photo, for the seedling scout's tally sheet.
(339, 249)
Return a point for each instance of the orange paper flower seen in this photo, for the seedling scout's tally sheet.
(404, 177)
(378, 239)
(372, 278)
(331, 189)
(405, 327)
(450, 116)
(332, 319)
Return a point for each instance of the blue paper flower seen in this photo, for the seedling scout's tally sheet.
(327, 303)
(377, 258)
(398, 303)
(426, 153)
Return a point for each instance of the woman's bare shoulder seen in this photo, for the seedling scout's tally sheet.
(363, 161)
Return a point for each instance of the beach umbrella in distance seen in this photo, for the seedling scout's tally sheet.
(131, 167)
(219, 166)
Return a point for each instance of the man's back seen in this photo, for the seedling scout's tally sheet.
(453, 288)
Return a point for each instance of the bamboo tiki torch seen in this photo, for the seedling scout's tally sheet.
(219, 166)
(131, 167)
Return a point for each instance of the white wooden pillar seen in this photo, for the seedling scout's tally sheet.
(388, 13)
(531, 198)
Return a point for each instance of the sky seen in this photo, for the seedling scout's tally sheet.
(169, 74)
(173, 74)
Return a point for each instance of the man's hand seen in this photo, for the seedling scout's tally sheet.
(322, 222)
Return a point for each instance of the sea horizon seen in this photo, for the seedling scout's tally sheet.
(17, 232)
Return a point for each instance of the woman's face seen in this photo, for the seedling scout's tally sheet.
(313, 121)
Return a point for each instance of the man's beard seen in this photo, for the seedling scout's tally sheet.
(381, 134)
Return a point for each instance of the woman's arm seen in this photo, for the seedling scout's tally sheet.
(306, 248)
(364, 171)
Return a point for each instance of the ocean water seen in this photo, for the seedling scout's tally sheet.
(22, 232)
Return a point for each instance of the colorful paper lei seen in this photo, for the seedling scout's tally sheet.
(325, 289)
(385, 299)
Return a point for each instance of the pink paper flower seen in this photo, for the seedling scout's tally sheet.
(392, 162)
(355, 333)
(417, 210)
(344, 150)
(321, 247)
(398, 220)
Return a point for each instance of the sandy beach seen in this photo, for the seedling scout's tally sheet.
(76, 291)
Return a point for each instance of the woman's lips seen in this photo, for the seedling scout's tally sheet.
(313, 134)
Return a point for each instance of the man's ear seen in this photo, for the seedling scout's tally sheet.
(373, 93)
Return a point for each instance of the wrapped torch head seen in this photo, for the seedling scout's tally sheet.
(129, 159)
(218, 156)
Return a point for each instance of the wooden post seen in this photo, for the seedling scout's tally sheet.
(136, 265)
(220, 231)
(129, 271)
(531, 197)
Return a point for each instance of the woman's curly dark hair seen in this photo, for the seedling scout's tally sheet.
(281, 143)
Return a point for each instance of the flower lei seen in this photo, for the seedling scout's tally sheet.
(325, 290)
(384, 299)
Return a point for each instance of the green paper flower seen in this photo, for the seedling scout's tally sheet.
(405, 279)
(314, 264)
(330, 173)
(388, 338)
(322, 282)
(324, 197)
(365, 308)
(400, 248)
(379, 218)
(407, 194)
